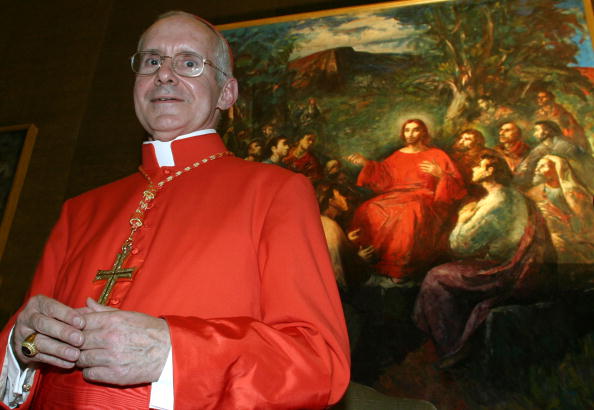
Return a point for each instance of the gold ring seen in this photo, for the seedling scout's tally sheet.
(28, 346)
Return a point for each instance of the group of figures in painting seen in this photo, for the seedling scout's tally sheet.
(470, 227)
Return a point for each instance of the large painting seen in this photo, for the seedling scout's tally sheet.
(16, 145)
(450, 145)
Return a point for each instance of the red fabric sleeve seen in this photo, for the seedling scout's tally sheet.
(297, 355)
(376, 176)
(43, 283)
(450, 187)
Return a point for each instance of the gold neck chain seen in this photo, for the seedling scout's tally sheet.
(136, 222)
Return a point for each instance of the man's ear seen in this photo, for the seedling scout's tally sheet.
(228, 94)
(491, 171)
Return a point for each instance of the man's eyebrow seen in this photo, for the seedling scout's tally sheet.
(182, 51)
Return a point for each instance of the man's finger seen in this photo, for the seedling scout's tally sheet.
(54, 361)
(53, 308)
(61, 351)
(97, 307)
(98, 315)
(95, 358)
(96, 339)
(100, 374)
(55, 329)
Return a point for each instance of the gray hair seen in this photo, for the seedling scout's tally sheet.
(222, 58)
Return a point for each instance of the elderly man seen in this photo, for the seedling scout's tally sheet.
(551, 142)
(568, 210)
(208, 296)
(549, 110)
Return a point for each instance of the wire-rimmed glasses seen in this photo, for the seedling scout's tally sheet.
(185, 64)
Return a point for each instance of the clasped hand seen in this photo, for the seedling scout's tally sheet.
(110, 345)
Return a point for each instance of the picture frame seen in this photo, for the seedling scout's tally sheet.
(353, 77)
(16, 146)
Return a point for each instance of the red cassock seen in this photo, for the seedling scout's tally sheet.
(233, 257)
(405, 222)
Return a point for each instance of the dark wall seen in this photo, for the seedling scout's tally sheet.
(65, 69)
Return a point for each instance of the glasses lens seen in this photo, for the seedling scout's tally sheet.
(188, 64)
(145, 62)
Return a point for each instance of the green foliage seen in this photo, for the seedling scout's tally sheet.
(261, 64)
(504, 49)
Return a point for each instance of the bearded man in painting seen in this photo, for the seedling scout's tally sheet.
(417, 188)
(511, 146)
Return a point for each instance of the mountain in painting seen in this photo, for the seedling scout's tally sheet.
(334, 67)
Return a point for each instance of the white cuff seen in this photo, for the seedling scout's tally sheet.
(18, 381)
(162, 389)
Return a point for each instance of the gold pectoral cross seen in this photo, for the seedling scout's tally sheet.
(117, 272)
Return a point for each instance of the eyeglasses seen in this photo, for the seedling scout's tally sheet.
(184, 64)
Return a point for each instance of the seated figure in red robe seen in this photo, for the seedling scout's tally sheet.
(301, 160)
(417, 188)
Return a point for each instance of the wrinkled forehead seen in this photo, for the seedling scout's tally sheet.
(545, 163)
(178, 33)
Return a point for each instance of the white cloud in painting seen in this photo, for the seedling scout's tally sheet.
(370, 33)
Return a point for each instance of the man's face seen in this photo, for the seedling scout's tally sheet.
(333, 167)
(268, 130)
(544, 167)
(255, 148)
(465, 142)
(168, 105)
(543, 99)
(307, 141)
(508, 133)
(545, 171)
(484, 104)
(281, 149)
(540, 133)
(339, 201)
(482, 171)
(413, 133)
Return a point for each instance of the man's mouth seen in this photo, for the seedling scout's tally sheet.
(165, 99)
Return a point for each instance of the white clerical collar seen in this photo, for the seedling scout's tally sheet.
(163, 151)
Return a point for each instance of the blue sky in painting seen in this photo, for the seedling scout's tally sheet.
(377, 33)
(586, 55)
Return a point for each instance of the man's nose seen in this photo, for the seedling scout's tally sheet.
(165, 73)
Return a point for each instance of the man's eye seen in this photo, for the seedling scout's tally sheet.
(190, 63)
(151, 61)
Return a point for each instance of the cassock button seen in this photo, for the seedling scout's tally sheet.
(114, 301)
(166, 171)
(134, 251)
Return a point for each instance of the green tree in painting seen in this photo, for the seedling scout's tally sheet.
(261, 62)
(504, 49)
